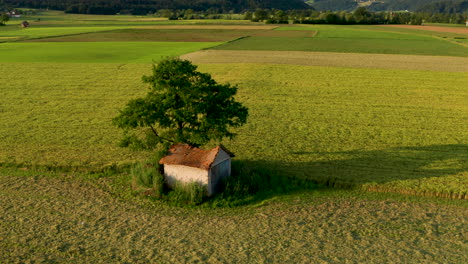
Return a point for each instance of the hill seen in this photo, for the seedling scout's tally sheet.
(446, 7)
(144, 6)
(430, 6)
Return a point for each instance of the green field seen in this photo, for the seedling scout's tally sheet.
(184, 35)
(351, 39)
(333, 125)
(96, 52)
(63, 218)
(380, 144)
(457, 38)
(42, 32)
(179, 34)
(52, 18)
(359, 126)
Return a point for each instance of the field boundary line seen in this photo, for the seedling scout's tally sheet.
(451, 41)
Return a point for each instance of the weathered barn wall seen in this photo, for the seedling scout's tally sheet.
(220, 157)
(185, 174)
(219, 172)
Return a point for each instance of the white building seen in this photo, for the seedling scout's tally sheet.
(13, 14)
(187, 164)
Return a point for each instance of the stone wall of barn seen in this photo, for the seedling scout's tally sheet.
(218, 172)
(185, 174)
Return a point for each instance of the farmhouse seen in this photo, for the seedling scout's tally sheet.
(13, 14)
(188, 164)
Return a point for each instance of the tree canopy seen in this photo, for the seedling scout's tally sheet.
(3, 19)
(181, 106)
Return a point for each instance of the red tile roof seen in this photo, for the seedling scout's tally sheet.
(183, 154)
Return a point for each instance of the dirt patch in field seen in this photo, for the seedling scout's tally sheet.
(330, 59)
(432, 28)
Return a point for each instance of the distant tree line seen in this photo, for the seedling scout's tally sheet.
(143, 7)
(359, 16)
(309, 16)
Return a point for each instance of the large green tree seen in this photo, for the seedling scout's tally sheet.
(181, 106)
(3, 19)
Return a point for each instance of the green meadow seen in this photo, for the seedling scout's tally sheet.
(66, 218)
(378, 129)
(148, 34)
(333, 125)
(350, 39)
(380, 148)
(42, 32)
(51, 18)
(96, 52)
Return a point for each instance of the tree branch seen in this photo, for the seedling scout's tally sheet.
(156, 134)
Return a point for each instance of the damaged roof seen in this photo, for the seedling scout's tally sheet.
(183, 154)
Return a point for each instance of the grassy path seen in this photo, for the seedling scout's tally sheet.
(58, 219)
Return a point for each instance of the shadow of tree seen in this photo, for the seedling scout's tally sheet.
(381, 166)
(351, 169)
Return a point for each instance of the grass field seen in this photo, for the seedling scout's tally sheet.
(348, 39)
(59, 19)
(59, 218)
(454, 34)
(96, 52)
(384, 130)
(184, 35)
(356, 126)
(42, 32)
(178, 34)
(332, 59)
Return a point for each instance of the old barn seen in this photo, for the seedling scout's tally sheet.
(188, 164)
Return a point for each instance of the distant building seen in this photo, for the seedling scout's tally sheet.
(13, 14)
(187, 164)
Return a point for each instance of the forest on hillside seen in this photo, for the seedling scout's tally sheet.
(428, 6)
(141, 7)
